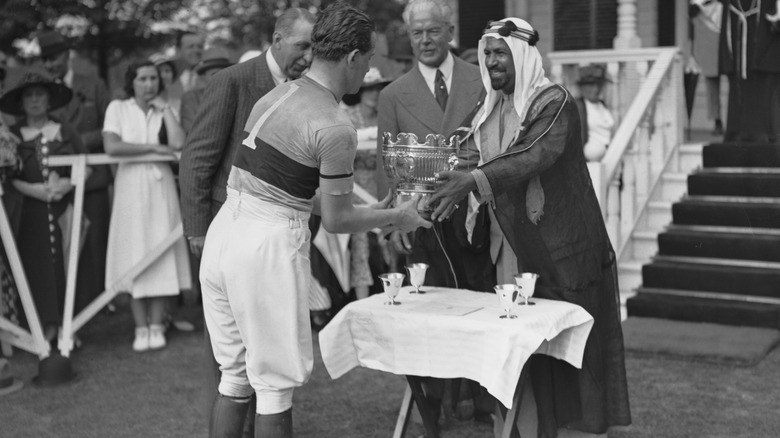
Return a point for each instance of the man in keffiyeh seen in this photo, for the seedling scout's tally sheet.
(545, 219)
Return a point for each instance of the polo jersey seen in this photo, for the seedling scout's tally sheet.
(297, 140)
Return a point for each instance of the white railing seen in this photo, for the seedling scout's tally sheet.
(646, 97)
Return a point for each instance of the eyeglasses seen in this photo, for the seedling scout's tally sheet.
(509, 28)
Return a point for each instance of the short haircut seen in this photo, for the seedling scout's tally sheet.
(132, 72)
(340, 29)
(286, 21)
(445, 10)
(180, 36)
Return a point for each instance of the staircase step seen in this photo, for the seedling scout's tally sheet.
(656, 304)
(754, 246)
(658, 214)
(725, 229)
(629, 276)
(689, 157)
(734, 212)
(674, 186)
(741, 155)
(734, 184)
(736, 277)
(644, 244)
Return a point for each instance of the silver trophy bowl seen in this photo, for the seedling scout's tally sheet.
(413, 167)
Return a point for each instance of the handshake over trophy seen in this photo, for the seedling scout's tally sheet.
(413, 167)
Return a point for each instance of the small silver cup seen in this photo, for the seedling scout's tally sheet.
(526, 284)
(417, 276)
(392, 282)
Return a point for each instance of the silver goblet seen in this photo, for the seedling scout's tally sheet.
(392, 282)
(526, 283)
(417, 276)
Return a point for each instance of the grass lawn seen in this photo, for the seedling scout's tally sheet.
(120, 393)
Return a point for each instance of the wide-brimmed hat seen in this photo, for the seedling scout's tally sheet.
(11, 102)
(161, 58)
(373, 78)
(592, 74)
(214, 57)
(52, 43)
(8, 383)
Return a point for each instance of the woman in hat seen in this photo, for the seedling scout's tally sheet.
(171, 92)
(146, 204)
(44, 190)
(596, 119)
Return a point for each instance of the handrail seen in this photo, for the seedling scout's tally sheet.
(584, 57)
(647, 101)
(647, 93)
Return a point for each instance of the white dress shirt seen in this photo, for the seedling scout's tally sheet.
(429, 73)
(273, 67)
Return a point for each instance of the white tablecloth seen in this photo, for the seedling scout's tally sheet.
(427, 336)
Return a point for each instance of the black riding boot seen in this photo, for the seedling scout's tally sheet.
(274, 425)
(227, 417)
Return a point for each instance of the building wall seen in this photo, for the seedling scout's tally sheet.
(540, 14)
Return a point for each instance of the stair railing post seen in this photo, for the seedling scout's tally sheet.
(628, 194)
(613, 212)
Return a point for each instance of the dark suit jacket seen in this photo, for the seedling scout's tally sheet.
(407, 105)
(219, 128)
(189, 108)
(85, 113)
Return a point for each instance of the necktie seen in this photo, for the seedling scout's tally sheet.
(440, 88)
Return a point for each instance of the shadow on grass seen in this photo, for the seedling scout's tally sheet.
(120, 393)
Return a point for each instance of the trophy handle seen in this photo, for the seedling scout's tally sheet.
(453, 162)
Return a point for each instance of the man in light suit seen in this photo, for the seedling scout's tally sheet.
(219, 128)
(435, 97)
(85, 113)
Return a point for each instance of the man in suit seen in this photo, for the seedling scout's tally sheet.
(435, 97)
(189, 51)
(85, 113)
(214, 60)
(219, 128)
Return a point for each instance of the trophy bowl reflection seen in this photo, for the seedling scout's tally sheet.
(412, 167)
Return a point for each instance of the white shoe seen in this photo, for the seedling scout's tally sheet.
(156, 336)
(141, 342)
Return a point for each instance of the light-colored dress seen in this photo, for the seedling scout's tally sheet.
(145, 211)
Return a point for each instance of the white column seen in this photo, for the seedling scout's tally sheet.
(517, 8)
(627, 37)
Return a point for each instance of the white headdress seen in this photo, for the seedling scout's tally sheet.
(529, 73)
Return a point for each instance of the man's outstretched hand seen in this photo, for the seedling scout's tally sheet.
(408, 217)
(454, 187)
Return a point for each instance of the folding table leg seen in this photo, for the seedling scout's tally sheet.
(510, 416)
(429, 420)
(403, 414)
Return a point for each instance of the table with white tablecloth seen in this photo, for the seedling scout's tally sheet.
(449, 333)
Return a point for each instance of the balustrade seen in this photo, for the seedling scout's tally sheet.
(646, 97)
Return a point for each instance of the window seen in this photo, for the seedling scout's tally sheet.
(584, 24)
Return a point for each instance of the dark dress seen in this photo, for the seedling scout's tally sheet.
(754, 100)
(39, 236)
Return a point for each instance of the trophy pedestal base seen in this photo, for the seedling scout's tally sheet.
(404, 194)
